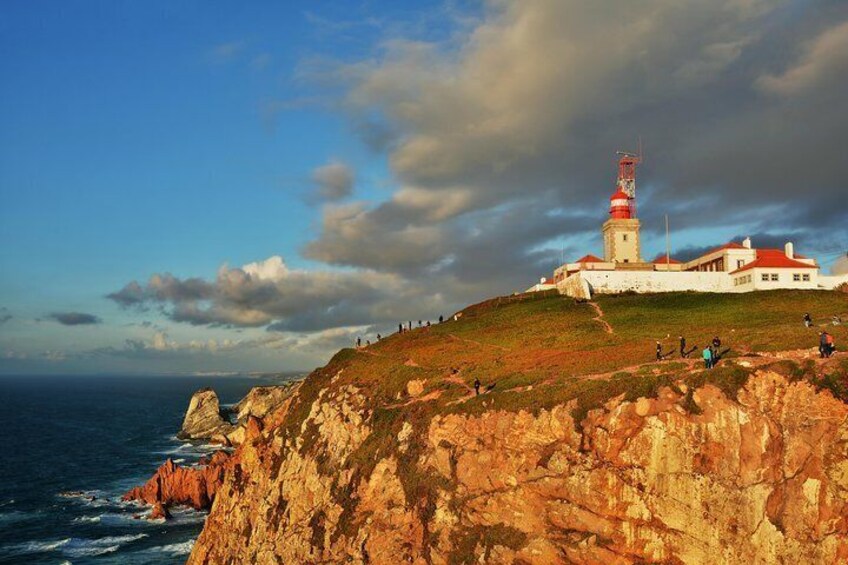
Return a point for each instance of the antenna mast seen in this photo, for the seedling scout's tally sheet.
(627, 176)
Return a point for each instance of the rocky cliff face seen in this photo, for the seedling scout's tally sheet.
(689, 475)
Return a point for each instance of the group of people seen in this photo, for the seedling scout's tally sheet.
(711, 354)
(826, 343)
(407, 327)
(835, 320)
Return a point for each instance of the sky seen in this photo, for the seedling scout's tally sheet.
(247, 187)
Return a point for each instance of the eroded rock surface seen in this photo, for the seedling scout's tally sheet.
(173, 484)
(698, 478)
(203, 419)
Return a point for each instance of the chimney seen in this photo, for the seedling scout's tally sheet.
(790, 250)
(746, 243)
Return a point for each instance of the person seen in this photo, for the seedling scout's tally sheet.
(419, 323)
(379, 337)
(400, 328)
(708, 358)
(428, 323)
(441, 318)
(830, 346)
(410, 324)
(659, 351)
(367, 342)
(823, 344)
(358, 342)
(683, 347)
(808, 321)
(477, 386)
(716, 349)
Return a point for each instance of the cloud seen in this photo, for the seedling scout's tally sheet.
(500, 137)
(333, 180)
(74, 318)
(535, 99)
(825, 59)
(266, 292)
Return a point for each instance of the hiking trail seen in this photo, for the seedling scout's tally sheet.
(600, 317)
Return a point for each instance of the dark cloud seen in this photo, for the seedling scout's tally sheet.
(74, 318)
(739, 104)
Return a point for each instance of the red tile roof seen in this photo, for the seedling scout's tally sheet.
(661, 259)
(774, 259)
(589, 259)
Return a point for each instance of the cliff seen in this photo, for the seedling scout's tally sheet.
(582, 452)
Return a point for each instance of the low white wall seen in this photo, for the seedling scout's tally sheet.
(657, 281)
(832, 281)
(575, 286)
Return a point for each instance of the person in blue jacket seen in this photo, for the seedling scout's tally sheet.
(708, 358)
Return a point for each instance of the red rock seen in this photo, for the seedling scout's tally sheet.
(160, 511)
(172, 484)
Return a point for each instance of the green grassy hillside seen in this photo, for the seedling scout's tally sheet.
(537, 349)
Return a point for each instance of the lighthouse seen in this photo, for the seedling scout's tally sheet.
(621, 230)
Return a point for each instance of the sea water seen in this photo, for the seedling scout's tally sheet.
(73, 445)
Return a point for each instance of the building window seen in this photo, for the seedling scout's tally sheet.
(624, 237)
(807, 278)
(796, 277)
(765, 277)
(740, 263)
(774, 276)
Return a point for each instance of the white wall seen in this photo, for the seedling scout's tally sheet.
(608, 282)
(832, 281)
(785, 279)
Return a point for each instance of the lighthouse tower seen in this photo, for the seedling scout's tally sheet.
(621, 230)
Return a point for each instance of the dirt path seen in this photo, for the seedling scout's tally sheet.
(600, 317)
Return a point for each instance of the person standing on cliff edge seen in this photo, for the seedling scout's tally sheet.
(708, 358)
(683, 347)
(659, 351)
(477, 386)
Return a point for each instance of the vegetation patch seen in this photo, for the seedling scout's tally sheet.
(465, 542)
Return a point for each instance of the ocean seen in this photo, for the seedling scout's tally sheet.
(74, 445)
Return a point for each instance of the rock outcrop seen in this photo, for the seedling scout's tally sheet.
(692, 475)
(204, 419)
(187, 486)
(261, 400)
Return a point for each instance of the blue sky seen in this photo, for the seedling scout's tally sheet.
(464, 145)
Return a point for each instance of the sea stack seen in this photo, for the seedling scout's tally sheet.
(203, 419)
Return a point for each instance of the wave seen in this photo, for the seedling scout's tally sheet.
(16, 516)
(30, 547)
(182, 548)
(73, 547)
(77, 547)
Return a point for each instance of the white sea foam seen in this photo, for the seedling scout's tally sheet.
(87, 519)
(30, 547)
(182, 548)
(77, 547)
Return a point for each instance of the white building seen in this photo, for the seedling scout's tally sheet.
(732, 267)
